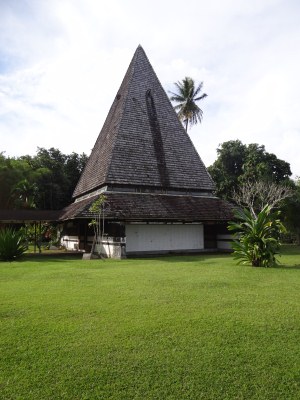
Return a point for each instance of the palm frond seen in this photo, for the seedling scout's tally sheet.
(186, 97)
(198, 89)
(201, 97)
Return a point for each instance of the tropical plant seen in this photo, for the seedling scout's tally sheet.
(187, 95)
(97, 209)
(256, 239)
(45, 235)
(24, 193)
(11, 244)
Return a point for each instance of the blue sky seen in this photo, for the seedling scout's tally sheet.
(62, 61)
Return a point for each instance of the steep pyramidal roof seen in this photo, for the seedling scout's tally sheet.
(142, 142)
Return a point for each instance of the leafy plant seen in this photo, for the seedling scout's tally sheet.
(11, 244)
(257, 238)
(97, 209)
(46, 234)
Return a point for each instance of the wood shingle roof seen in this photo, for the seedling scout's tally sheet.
(29, 215)
(142, 142)
(153, 207)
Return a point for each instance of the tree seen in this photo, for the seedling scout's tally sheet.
(258, 194)
(257, 228)
(59, 174)
(291, 212)
(53, 185)
(8, 178)
(16, 176)
(238, 163)
(259, 181)
(45, 181)
(187, 95)
(97, 209)
(74, 165)
(228, 167)
(24, 194)
(257, 238)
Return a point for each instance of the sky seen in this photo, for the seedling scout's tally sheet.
(62, 62)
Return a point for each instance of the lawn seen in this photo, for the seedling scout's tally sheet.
(184, 327)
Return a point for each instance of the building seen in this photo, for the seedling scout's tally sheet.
(158, 194)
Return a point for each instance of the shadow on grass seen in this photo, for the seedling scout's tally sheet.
(46, 257)
(295, 266)
(201, 257)
(184, 257)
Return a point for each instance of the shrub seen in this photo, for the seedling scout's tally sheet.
(11, 244)
(256, 238)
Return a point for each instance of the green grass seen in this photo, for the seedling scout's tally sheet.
(185, 327)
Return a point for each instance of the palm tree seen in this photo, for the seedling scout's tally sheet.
(24, 194)
(186, 97)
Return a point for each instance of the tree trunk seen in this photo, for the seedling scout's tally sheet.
(256, 263)
(298, 238)
(186, 124)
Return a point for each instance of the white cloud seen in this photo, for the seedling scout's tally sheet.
(61, 63)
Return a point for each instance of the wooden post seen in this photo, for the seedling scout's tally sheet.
(34, 236)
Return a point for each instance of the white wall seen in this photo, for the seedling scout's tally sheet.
(70, 242)
(157, 237)
(111, 249)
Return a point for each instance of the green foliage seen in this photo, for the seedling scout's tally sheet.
(187, 95)
(97, 209)
(238, 163)
(257, 239)
(45, 234)
(57, 185)
(24, 194)
(97, 205)
(291, 212)
(11, 244)
(45, 181)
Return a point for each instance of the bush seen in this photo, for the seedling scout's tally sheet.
(257, 239)
(11, 244)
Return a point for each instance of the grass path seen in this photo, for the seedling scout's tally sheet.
(196, 327)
